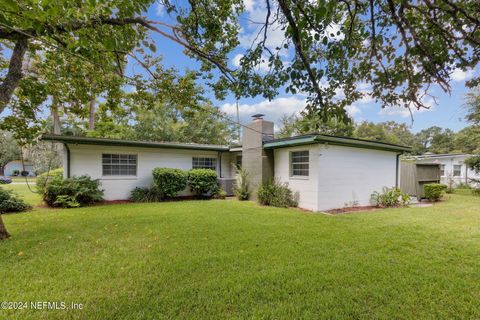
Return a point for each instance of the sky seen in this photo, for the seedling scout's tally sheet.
(448, 111)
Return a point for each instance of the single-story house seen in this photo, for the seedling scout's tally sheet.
(14, 166)
(452, 167)
(324, 171)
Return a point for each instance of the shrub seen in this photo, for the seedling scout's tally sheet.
(463, 185)
(5, 180)
(169, 181)
(24, 173)
(203, 181)
(220, 194)
(242, 186)
(276, 194)
(476, 191)
(390, 197)
(11, 202)
(72, 192)
(434, 191)
(151, 194)
(15, 172)
(44, 178)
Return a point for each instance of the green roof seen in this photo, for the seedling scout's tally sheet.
(333, 140)
(127, 143)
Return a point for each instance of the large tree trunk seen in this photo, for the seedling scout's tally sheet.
(91, 118)
(14, 74)
(55, 116)
(3, 231)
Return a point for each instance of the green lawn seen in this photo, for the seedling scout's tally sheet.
(22, 179)
(29, 195)
(229, 259)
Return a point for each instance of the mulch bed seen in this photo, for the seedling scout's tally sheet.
(352, 209)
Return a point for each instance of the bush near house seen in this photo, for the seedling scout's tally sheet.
(169, 181)
(72, 192)
(44, 178)
(203, 181)
(11, 202)
(390, 197)
(276, 194)
(434, 191)
(242, 186)
(151, 194)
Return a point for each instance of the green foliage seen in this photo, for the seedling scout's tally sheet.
(203, 181)
(46, 177)
(473, 163)
(169, 181)
(242, 185)
(220, 194)
(151, 194)
(389, 197)
(72, 192)
(9, 149)
(11, 202)
(296, 125)
(276, 194)
(434, 191)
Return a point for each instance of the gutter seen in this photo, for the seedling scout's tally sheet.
(68, 159)
(397, 169)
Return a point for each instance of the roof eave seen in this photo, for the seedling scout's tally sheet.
(126, 143)
(335, 141)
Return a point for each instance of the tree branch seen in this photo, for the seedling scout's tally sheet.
(14, 74)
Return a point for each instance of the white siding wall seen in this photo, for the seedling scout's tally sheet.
(87, 159)
(348, 176)
(449, 162)
(339, 176)
(306, 187)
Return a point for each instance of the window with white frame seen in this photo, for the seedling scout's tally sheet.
(457, 170)
(442, 170)
(299, 163)
(119, 164)
(204, 163)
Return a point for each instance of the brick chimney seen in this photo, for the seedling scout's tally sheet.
(256, 161)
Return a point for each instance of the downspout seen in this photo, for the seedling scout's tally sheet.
(68, 159)
(220, 164)
(397, 169)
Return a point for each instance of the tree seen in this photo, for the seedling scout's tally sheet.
(473, 106)
(467, 140)
(436, 140)
(296, 125)
(390, 132)
(9, 150)
(400, 47)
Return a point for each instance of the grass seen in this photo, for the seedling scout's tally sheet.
(22, 179)
(30, 196)
(230, 259)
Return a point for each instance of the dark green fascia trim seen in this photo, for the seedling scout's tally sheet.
(126, 143)
(68, 159)
(335, 141)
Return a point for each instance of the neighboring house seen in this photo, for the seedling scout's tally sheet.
(452, 167)
(325, 172)
(17, 165)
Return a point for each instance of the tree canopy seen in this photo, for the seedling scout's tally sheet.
(401, 48)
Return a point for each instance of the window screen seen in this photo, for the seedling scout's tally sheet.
(457, 170)
(119, 164)
(299, 163)
(204, 163)
(238, 161)
(442, 170)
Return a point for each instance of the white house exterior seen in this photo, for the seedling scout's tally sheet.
(452, 167)
(17, 165)
(325, 172)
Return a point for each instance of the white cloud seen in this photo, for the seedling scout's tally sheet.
(273, 110)
(460, 75)
(353, 110)
(160, 9)
(405, 112)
